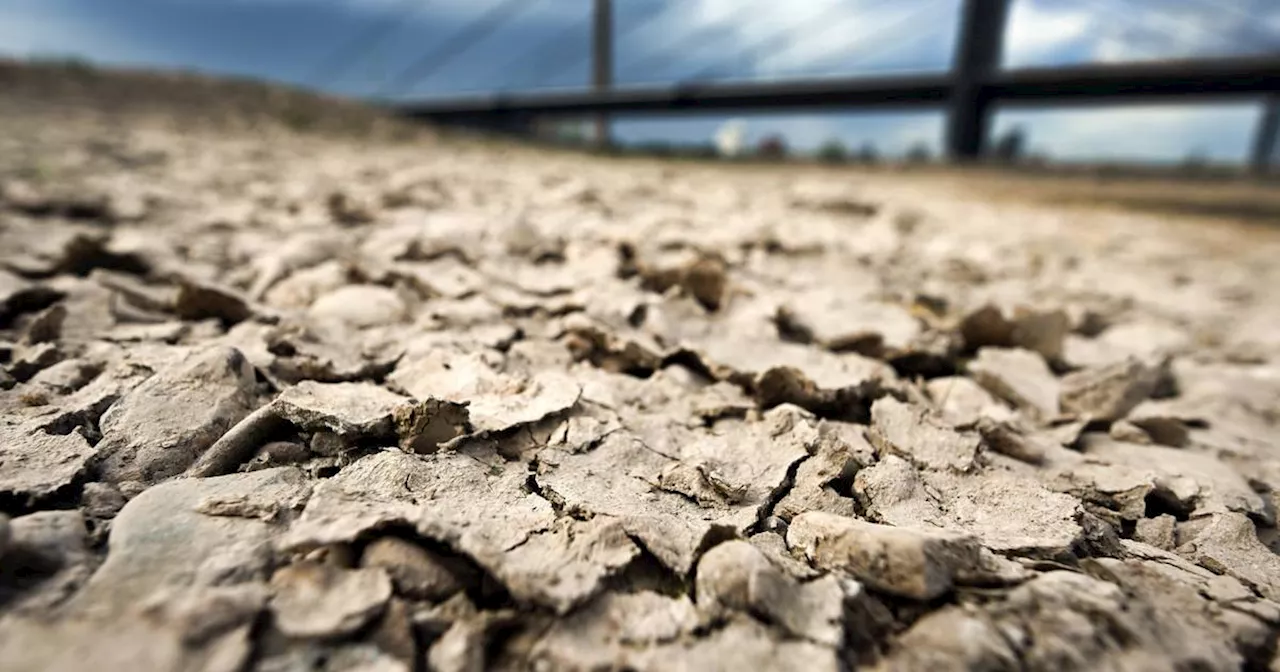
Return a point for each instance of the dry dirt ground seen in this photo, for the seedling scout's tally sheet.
(281, 401)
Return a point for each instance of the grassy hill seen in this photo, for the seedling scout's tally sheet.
(69, 86)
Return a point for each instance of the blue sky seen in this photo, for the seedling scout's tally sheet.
(665, 40)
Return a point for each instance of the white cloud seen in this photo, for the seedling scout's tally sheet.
(1035, 32)
(1158, 133)
(841, 35)
(28, 29)
(551, 9)
(1047, 31)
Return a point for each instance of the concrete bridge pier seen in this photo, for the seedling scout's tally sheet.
(977, 57)
(602, 63)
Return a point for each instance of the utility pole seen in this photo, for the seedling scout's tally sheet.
(1266, 142)
(602, 62)
(978, 52)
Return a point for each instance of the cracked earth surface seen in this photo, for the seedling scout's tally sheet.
(286, 402)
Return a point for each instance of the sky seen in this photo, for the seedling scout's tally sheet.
(545, 44)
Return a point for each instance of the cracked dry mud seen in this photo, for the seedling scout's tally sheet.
(282, 402)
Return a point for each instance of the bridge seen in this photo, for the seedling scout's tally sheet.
(969, 92)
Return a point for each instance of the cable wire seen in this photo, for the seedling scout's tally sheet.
(909, 41)
(1263, 40)
(618, 38)
(775, 39)
(886, 31)
(673, 50)
(547, 53)
(433, 61)
(342, 59)
(1176, 27)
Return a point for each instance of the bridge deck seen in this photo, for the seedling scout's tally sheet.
(1039, 86)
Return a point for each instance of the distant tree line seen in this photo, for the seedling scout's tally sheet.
(1009, 148)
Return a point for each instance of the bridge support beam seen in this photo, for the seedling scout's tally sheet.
(978, 51)
(602, 62)
(1266, 144)
(510, 123)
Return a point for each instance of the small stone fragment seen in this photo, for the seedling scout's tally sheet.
(1065, 432)
(1165, 431)
(891, 490)
(961, 402)
(986, 327)
(842, 322)
(137, 297)
(1041, 331)
(464, 647)
(351, 209)
(565, 566)
(360, 306)
(741, 644)
(101, 500)
(701, 482)
(18, 295)
(774, 546)
(1003, 438)
(497, 400)
(1069, 620)
(912, 432)
(200, 300)
(434, 621)
(1109, 392)
(165, 424)
(350, 410)
(47, 561)
(327, 444)
(1158, 531)
(1229, 545)
(241, 506)
(423, 427)
(115, 642)
(67, 376)
(320, 352)
(815, 485)
(160, 541)
(706, 280)
(1192, 481)
(45, 326)
(32, 359)
(1019, 377)
(910, 563)
(736, 576)
(394, 634)
(1004, 511)
(276, 454)
(416, 572)
(52, 539)
(1128, 432)
(238, 444)
(319, 600)
(951, 638)
(611, 628)
(35, 465)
